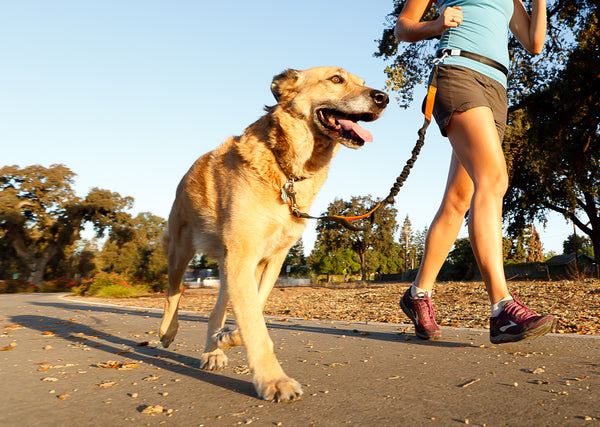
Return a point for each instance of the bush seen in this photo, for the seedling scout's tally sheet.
(15, 286)
(112, 285)
(59, 285)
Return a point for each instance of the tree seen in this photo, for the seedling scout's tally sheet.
(337, 261)
(462, 259)
(332, 237)
(143, 255)
(406, 241)
(582, 243)
(40, 215)
(553, 143)
(535, 250)
(295, 261)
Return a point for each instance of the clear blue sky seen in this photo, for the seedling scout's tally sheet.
(128, 94)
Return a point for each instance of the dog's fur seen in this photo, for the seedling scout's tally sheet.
(229, 207)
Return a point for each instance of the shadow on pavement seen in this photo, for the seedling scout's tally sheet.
(352, 329)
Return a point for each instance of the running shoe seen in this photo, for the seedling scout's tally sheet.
(421, 313)
(516, 322)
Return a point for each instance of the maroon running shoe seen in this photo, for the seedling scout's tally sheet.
(516, 322)
(421, 313)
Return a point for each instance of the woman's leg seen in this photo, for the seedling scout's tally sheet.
(446, 224)
(475, 141)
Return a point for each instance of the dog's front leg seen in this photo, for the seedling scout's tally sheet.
(266, 274)
(269, 379)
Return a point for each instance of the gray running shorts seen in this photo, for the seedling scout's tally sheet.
(460, 89)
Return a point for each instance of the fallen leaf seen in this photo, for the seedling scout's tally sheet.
(8, 347)
(107, 384)
(143, 344)
(154, 409)
(111, 364)
(49, 380)
(150, 378)
(47, 333)
(128, 365)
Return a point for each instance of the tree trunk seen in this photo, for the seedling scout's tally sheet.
(363, 265)
(38, 265)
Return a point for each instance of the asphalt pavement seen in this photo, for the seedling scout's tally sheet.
(68, 362)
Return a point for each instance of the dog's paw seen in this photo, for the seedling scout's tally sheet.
(213, 360)
(281, 390)
(226, 338)
(168, 330)
(167, 338)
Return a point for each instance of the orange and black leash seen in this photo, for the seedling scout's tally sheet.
(288, 194)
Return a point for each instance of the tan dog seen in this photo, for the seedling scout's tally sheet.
(230, 207)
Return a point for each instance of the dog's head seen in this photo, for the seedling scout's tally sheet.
(332, 101)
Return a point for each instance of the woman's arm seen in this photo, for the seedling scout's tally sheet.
(409, 27)
(530, 31)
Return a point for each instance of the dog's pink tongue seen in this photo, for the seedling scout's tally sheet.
(349, 125)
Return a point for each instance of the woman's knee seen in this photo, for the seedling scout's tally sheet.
(495, 184)
(458, 200)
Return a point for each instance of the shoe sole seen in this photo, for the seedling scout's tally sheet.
(526, 335)
(412, 317)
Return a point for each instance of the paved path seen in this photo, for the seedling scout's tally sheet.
(353, 374)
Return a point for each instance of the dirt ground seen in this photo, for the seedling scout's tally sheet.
(459, 304)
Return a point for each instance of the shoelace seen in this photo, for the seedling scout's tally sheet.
(517, 309)
(425, 304)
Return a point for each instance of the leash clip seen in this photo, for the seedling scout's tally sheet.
(440, 59)
(288, 195)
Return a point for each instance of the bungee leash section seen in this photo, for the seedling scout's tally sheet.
(288, 194)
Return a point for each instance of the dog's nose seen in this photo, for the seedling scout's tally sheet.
(380, 98)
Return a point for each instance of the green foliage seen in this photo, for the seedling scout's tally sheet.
(340, 261)
(112, 285)
(294, 264)
(553, 143)
(40, 216)
(142, 256)
(582, 243)
(462, 260)
(332, 238)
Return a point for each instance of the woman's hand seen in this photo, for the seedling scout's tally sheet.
(410, 28)
(451, 17)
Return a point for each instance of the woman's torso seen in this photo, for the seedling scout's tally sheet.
(484, 31)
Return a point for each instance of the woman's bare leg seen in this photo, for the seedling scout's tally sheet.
(446, 225)
(475, 141)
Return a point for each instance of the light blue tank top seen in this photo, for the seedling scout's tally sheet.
(484, 31)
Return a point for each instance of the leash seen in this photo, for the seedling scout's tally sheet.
(288, 195)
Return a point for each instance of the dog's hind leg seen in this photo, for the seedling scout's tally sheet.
(218, 338)
(180, 251)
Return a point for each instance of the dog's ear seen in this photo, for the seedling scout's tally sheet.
(284, 83)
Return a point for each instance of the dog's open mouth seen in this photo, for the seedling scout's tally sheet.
(345, 125)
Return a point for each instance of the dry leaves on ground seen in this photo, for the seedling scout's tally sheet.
(459, 304)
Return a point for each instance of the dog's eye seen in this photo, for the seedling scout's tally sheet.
(337, 79)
